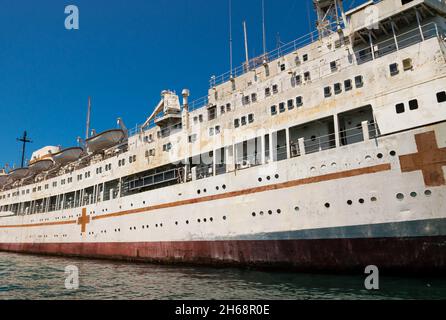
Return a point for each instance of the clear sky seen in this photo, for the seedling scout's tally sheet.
(123, 55)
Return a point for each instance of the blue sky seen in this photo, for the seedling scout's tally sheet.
(124, 54)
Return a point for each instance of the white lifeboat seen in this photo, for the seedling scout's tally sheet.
(18, 174)
(67, 155)
(3, 177)
(41, 165)
(104, 140)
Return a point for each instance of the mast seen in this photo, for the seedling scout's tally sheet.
(24, 139)
(87, 130)
(263, 28)
(246, 45)
(230, 37)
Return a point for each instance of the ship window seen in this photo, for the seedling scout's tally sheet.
(243, 121)
(267, 92)
(192, 138)
(275, 89)
(290, 104)
(307, 76)
(236, 123)
(327, 92)
(282, 67)
(305, 57)
(413, 104)
(228, 107)
(217, 129)
(200, 118)
(281, 107)
(333, 66)
(337, 88)
(407, 64)
(211, 132)
(359, 81)
(393, 69)
(273, 110)
(348, 85)
(299, 101)
(399, 108)
(245, 100)
(298, 79)
(222, 109)
(441, 96)
(254, 97)
(251, 118)
(212, 113)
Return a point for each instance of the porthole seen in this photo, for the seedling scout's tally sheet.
(361, 201)
(224, 217)
(217, 188)
(223, 186)
(187, 221)
(147, 226)
(373, 199)
(327, 205)
(279, 211)
(268, 178)
(204, 220)
(296, 209)
(204, 190)
(211, 219)
(261, 213)
(253, 214)
(276, 176)
(156, 225)
(198, 220)
(176, 222)
(392, 153)
(400, 196)
(260, 179)
(428, 193)
(379, 155)
(161, 225)
(270, 212)
(198, 191)
(349, 202)
(413, 194)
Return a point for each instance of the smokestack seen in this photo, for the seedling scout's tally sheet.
(87, 130)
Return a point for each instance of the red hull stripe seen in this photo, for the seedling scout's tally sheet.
(405, 254)
(277, 186)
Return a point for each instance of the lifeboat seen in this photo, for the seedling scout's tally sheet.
(3, 177)
(67, 155)
(104, 140)
(18, 174)
(41, 165)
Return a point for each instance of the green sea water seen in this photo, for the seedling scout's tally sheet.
(41, 277)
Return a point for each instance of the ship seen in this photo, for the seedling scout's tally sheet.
(327, 154)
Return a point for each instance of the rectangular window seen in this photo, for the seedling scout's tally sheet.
(327, 92)
(254, 97)
(441, 96)
(299, 101)
(307, 76)
(275, 89)
(212, 113)
(413, 104)
(228, 107)
(243, 121)
(359, 82)
(281, 107)
(273, 110)
(298, 79)
(267, 92)
(305, 57)
(290, 104)
(222, 109)
(399, 108)
(393, 69)
(348, 85)
(217, 129)
(282, 67)
(251, 118)
(192, 138)
(333, 66)
(236, 123)
(200, 118)
(337, 88)
(211, 132)
(245, 100)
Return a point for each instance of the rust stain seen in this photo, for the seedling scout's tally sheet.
(429, 159)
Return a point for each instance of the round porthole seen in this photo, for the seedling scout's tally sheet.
(428, 193)
(261, 213)
(392, 153)
(276, 176)
(373, 199)
(361, 201)
(349, 202)
(327, 205)
(379, 155)
(224, 217)
(270, 212)
(253, 214)
(400, 196)
(279, 211)
(296, 209)
(260, 179)
(413, 194)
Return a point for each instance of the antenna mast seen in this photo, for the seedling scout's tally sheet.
(87, 130)
(230, 37)
(263, 28)
(246, 45)
(24, 140)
